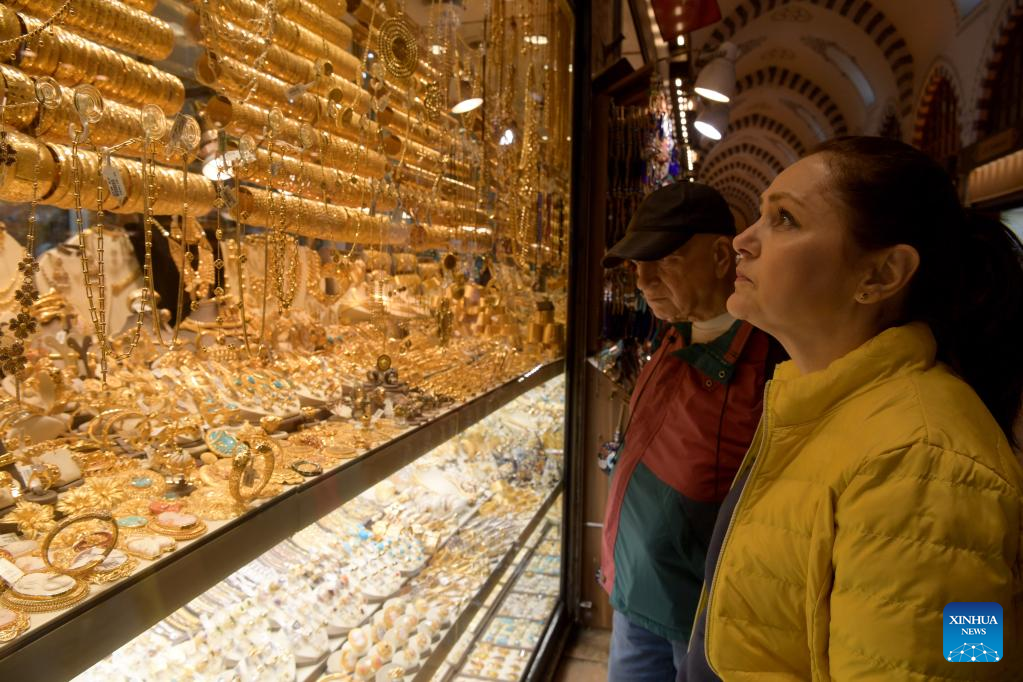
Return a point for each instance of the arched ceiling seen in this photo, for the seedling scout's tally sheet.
(811, 69)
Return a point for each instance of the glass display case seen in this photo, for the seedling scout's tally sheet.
(282, 324)
(384, 583)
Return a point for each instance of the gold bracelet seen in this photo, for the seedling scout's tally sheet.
(69, 521)
(14, 600)
(264, 448)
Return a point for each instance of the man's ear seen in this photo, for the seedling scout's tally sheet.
(724, 257)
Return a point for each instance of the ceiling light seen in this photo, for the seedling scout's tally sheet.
(536, 40)
(680, 40)
(436, 49)
(467, 105)
(712, 121)
(507, 137)
(717, 80)
(678, 82)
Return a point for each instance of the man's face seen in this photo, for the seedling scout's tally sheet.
(678, 286)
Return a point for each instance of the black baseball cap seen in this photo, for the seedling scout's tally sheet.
(667, 218)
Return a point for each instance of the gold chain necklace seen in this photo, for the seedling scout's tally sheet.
(98, 317)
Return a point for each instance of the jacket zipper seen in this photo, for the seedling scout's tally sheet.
(758, 457)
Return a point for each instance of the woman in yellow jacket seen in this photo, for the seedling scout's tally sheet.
(881, 486)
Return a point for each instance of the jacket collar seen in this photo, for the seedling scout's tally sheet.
(714, 359)
(796, 398)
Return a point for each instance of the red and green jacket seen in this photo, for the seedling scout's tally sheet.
(694, 411)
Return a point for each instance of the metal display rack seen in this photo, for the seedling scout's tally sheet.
(115, 615)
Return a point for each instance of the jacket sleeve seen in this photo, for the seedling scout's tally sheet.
(916, 529)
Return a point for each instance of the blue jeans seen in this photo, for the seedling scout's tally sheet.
(638, 655)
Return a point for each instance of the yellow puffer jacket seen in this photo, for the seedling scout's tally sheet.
(880, 489)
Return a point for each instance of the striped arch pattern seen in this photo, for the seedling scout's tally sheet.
(743, 183)
(728, 151)
(773, 75)
(736, 166)
(1008, 22)
(863, 13)
(740, 200)
(939, 72)
(772, 125)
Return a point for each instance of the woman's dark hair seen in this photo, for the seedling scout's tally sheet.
(969, 286)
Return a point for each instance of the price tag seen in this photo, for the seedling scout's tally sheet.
(114, 182)
(230, 198)
(9, 572)
(25, 471)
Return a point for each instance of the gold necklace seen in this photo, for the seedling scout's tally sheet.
(98, 323)
(12, 358)
(59, 279)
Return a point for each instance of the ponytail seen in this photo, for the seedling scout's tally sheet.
(969, 286)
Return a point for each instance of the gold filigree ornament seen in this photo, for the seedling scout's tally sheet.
(32, 519)
(433, 99)
(78, 501)
(12, 624)
(398, 47)
(109, 491)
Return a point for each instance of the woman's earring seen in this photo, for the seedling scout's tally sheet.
(738, 257)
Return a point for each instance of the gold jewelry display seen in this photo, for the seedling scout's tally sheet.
(102, 516)
(32, 519)
(12, 624)
(399, 47)
(148, 547)
(264, 449)
(128, 81)
(122, 570)
(119, 26)
(192, 526)
(306, 468)
(73, 592)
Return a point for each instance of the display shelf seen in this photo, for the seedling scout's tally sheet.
(434, 663)
(510, 586)
(313, 672)
(113, 616)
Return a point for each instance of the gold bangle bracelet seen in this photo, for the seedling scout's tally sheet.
(69, 521)
(264, 448)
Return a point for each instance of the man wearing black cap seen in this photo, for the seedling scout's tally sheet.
(693, 414)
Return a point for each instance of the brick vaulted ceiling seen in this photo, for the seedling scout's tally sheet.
(811, 69)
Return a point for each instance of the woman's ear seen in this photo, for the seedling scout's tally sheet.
(892, 271)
